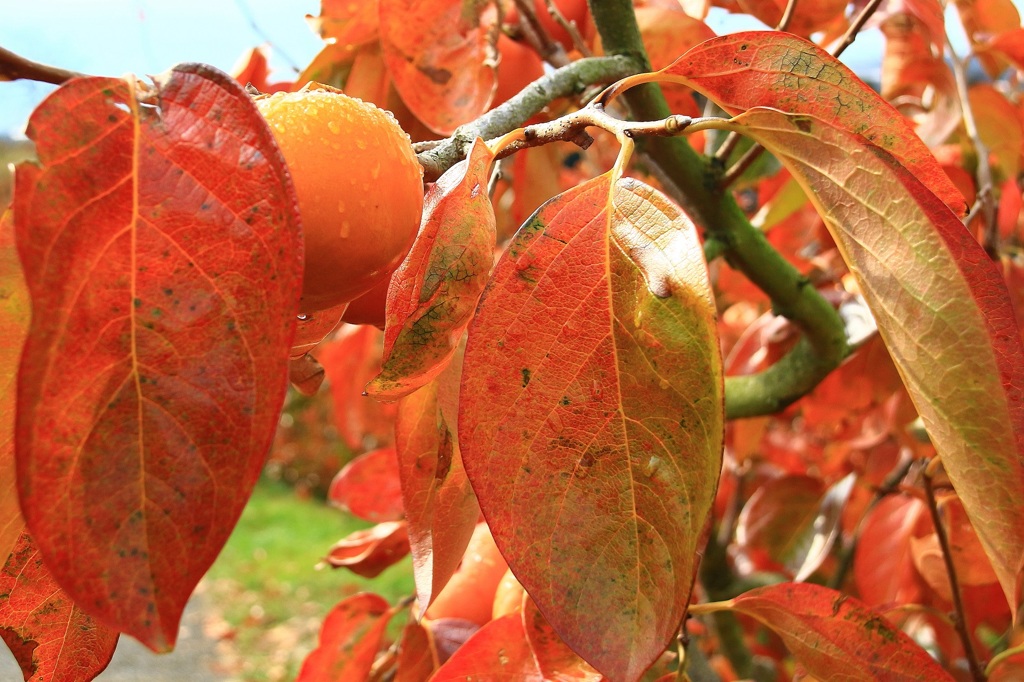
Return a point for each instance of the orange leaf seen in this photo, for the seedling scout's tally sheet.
(438, 55)
(438, 499)
(368, 552)
(941, 307)
(555, 660)
(344, 22)
(349, 640)
(369, 488)
(769, 69)
(417, 659)
(14, 319)
(834, 636)
(498, 652)
(594, 436)
(883, 567)
(434, 292)
(161, 245)
(52, 638)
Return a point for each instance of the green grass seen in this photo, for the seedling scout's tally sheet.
(267, 588)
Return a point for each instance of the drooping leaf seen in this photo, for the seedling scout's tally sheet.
(349, 640)
(368, 552)
(941, 307)
(14, 319)
(161, 244)
(594, 436)
(768, 69)
(439, 503)
(498, 652)
(435, 290)
(838, 637)
(438, 55)
(369, 486)
(555, 660)
(52, 638)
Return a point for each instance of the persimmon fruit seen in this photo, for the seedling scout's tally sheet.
(359, 188)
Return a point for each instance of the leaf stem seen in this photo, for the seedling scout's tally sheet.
(15, 67)
(959, 619)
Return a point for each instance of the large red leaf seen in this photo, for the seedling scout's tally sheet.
(594, 434)
(435, 290)
(52, 638)
(941, 307)
(14, 318)
(438, 55)
(440, 506)
(771, 69)
(163, 254)
(498, 652)
(838, 637)
(349, 640)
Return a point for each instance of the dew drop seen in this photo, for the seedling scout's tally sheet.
(334, 127)
(652, 466)
(376, 170)
(341, 206)
(502, 657)
(361, 143)
(303, 317)
(346, 229)
(638, 318)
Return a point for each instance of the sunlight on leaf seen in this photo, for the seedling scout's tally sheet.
(349, 639)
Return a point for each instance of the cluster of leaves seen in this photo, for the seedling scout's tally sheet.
(565, 373)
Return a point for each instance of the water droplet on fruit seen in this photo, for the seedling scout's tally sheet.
(334, 127)
(376, 170)
(341, 206)
(346, 229)
(361, 143)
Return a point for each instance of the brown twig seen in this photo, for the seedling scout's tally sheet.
(549, 49)
(787, 16)
(855, 27)
(959, 618)
(985, 204)
(570, 28)
(15, 67)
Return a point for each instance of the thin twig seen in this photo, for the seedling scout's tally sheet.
(15, 67)
(570, 28)
(549, 49)
(787, 16)
(855, 27)
(990, 239)
(741, 166)
(959, 619)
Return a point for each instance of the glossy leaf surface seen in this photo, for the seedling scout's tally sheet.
(349, 639)
(52, 638)
(14, 319)
(440, 506)
(837, 637)
(435, 290)
(594, 438)
(368, 486)
(161, 246)
(941, 307)
(438, 57)
(768, 69)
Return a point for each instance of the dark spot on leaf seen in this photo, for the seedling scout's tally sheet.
(526, 376)
(439, 76)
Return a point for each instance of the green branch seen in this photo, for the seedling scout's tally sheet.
(696, 186)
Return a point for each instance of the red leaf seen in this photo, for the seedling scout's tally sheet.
(417, 659)
(163, 256)
(438, 55)
(438, 499)
(469, 595)
(435, 290)
(52, 638)
(834, 636)
(883, 567)
(368, 552)
(350, 360)
(369, 487)
(14, 320)
(349, 640)
(594, 436)
(313, 328)
(498, 652)
(769, 69)
(776, 527)
(941, 307)
(555, 660)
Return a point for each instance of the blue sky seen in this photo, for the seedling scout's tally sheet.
(115, 37)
